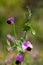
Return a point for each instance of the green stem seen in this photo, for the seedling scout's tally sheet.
(13, 26)
(24, 36)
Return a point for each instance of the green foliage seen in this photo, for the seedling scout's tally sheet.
(18, 48)
(27, 26)
(8, 42)
(17, 42)
(33, 32)
(28, 14)
(17, 45)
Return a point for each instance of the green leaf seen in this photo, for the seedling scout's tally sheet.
(22, 51)
(33, 32)
(8, 42)
(28, 14)
(18, 48)
(27, 26)
(17, 42)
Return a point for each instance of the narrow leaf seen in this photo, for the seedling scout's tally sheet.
(8, 42)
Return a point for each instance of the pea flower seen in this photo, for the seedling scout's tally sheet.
(26, 45)
(10, 20)
(10, 37)
(19, 58)
(7, 60)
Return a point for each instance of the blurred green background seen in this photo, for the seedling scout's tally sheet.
(17, 9)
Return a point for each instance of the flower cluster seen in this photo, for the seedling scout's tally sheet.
(22, 45)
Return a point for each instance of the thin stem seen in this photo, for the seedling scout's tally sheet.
(13, 26)
(24, 36)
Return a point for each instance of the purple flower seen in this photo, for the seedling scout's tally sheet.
(10, 37)
(7, 60)
(10, 20)
(26, 45)
(19, 58)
